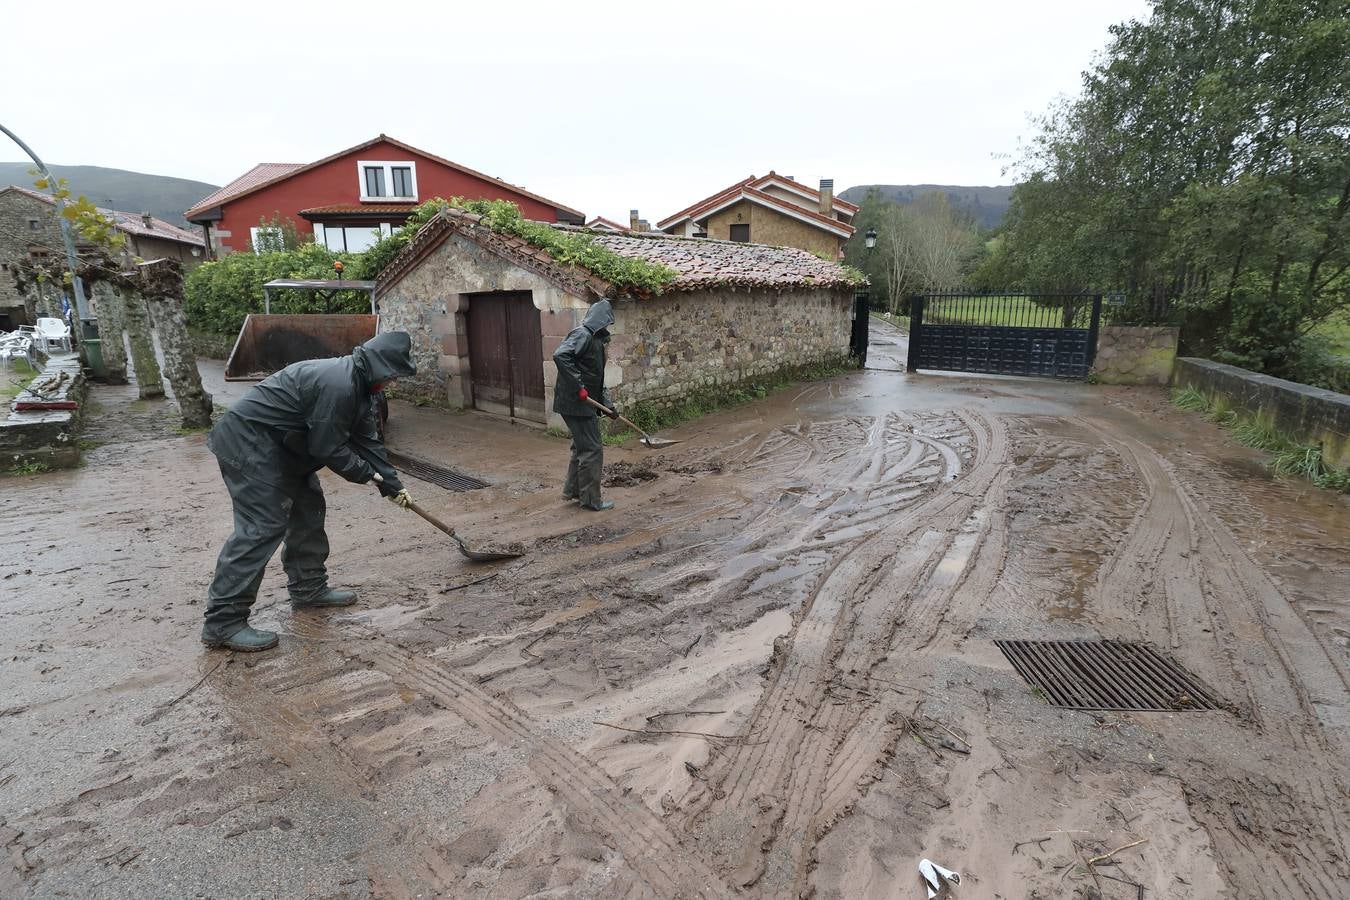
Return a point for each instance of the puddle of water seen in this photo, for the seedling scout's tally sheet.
(1081, 568)
(786, 572)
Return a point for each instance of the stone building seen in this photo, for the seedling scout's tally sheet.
(30, 232)
(772, 209)
(486, 311)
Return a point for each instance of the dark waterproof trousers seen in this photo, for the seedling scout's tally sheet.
(588, 460)
(265, 515)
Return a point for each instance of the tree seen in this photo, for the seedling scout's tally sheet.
(924, 245)
(1203, 169)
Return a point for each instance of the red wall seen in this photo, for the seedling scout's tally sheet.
(337, 182)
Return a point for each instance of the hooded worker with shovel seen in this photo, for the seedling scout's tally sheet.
(270, 446)
(580, 359)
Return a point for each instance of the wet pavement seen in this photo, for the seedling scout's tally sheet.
(770, 670)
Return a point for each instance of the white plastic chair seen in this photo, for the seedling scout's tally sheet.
(11, 347)
(53, 331)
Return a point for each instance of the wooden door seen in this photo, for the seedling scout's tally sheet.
(526, 344)
(506, 358)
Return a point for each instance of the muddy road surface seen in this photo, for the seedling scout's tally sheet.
(770, 671)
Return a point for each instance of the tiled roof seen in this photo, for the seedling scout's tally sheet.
(757, 185)
(699, 263)
(255, 177)
(600, 223)
(688, 210)
(815, 218)
(774, 178)
(359, 208)
(238, 187)
(131, 223)
(703, 263)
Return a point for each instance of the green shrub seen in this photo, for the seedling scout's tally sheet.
(220, 293)
(568, 247)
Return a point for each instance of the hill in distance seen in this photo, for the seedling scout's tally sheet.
(986, 204)
(133, 192)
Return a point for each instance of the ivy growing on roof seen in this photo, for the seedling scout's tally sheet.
(504, 217)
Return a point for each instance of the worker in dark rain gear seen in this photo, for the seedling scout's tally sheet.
(580, 359)
(311, 415)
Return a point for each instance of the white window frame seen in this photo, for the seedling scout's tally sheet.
(388, 166)
(253, 236)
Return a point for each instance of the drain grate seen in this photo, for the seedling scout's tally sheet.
(1107, 675)
(418, 468)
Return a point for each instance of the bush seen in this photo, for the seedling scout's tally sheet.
(222, 292)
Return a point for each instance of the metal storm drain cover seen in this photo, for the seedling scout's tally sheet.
(1107, 675)
(451, 481)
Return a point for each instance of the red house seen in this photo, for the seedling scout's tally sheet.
(349, 199)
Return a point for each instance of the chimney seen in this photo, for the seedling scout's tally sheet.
(145, 219)
(634, 223)
(827, 197)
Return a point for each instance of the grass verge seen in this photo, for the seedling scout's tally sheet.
(1287, 456)
(16, 378)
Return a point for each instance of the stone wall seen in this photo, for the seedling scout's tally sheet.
(670, 348)
(47, 437)
(432, 302)
(25, 222)
(662, 348)
(1310, 415)
(1135, 354)
(775, 229)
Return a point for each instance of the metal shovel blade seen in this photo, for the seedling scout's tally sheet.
(487, 554)
(510, 551)
(656, 443)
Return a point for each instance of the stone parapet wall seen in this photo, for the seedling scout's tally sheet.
(47, 437)
(1310, 415)
(668, 349)
(1128, 354)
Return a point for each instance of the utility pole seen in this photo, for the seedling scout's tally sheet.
(89, 342)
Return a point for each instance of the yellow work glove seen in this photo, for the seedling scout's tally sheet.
(402, 499)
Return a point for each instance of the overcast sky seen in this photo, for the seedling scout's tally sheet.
(602, 106)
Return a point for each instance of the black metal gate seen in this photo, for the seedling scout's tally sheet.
(1050, 335)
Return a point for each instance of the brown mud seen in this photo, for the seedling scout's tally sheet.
(769, 670)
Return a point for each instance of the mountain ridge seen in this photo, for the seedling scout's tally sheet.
(986, 203)
(163, 196)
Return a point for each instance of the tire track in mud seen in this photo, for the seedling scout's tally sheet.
(819, 487)
(649, 846)
(773, 799)
(1268, 837)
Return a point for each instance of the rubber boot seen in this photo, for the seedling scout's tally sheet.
(329, 597)
(601, 506)
(245, 640)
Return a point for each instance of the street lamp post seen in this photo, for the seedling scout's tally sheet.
(89, 341)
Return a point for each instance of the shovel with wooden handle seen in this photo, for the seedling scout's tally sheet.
(652, 442)
(510, 551)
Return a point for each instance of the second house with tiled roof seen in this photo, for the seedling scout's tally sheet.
(770, 209)
(348, 200)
